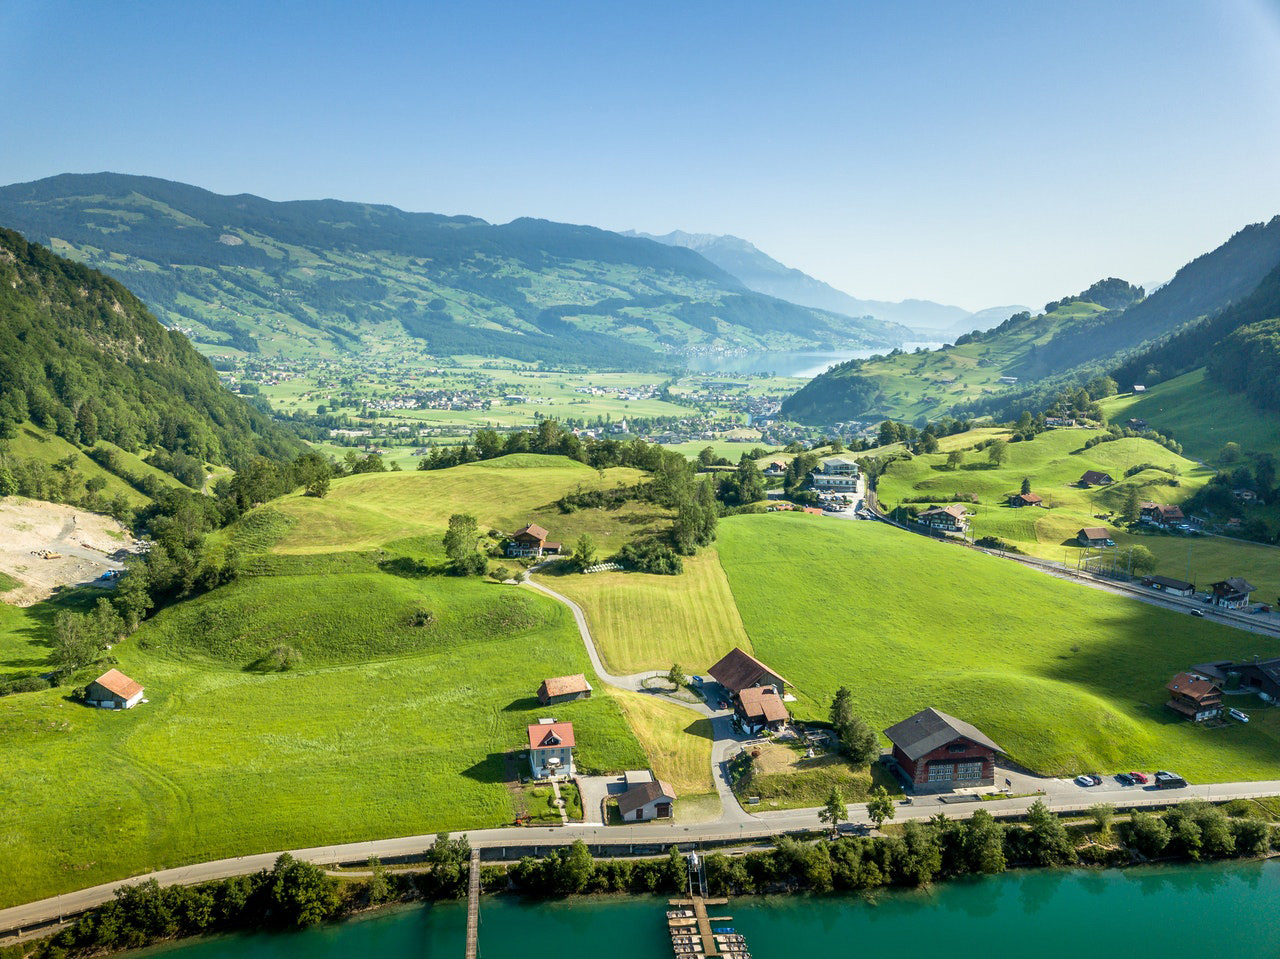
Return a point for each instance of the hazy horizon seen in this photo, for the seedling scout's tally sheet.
(922, 151)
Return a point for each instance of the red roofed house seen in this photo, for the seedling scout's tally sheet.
(113, 690)
(938, 752)
(761, 707)
(531, 541)
(1194, 697)
(551, 749)
(563, 689)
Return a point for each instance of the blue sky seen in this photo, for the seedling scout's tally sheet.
(973, 153)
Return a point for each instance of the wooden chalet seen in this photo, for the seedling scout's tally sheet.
(531, 540)
(737, 671)
(1095, 478)
(938, 753)
(760, 708)
(1094, 536)
(1026, 499)
(1194, 697)
(1258, 675)
(1231, 593)
(564, 689)
(1158, 514)
(948, 519)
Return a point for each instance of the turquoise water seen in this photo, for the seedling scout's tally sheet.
(1196, 911)
(806, 364)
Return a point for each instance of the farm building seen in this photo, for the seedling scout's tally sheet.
(949, 519)
(937, 752)
(1025, 499)
(113, 690)
(760, 708)
(737, 671)
(551, 749)
(1095, 478)
(1260, 675)
(776, 468)
(1094, 536)
(531, 541)
(644, 801)
(1157, 514)
(564, 689)
(1195, 697)
(1168, 584)
(1231, 593)
(1136, 424)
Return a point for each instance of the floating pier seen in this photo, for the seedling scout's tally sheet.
(696, 933)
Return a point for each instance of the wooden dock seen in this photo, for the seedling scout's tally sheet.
(473, 907)
(701, 921)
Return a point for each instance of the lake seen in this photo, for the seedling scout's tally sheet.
(807, 365)
(1203, 911)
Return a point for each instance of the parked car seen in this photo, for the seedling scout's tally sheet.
(1238, 716)
(1140, 778)
(1084, 779)
(696, 680)
(1097, 780)
(1168, 780)
(1198, 612)
(1124, 779)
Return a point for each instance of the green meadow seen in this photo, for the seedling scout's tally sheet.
(1054, 461)
(407, 689)
(1065, 677)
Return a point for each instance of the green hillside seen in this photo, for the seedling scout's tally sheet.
(1074, 339)
(322, 278)
(1066, 678)
(84, 365)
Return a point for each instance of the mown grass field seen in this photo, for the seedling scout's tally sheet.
(1200, 415)
(642, 621)
(1065, 677)
(676, 740)
(786, 778)
(1054, 461)
(381, 727)
(367, 511)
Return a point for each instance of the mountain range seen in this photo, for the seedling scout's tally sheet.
(241, 274)
(760, 272)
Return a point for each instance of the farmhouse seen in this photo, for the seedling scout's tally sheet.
(1168, 584)
(1195, 697)
(531, 540)
(1095, 478)
(776, 468)
(1232, 593)
(836, 475)
(644, 801)
(1260, 675)
(1025, 499)
(760, 708)
(551, 749)
(950, 519)
(564, 689)
(113, 690)
(1137, 424)
(737, 671)
(1094, 536)
(937, 752)
(1158, 514)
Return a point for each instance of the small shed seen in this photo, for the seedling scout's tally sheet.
(564, 689)
(113, 690)
(645, 801)
(1094, 536)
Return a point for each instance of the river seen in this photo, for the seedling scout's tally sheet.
(1203, 911)
(806, 365)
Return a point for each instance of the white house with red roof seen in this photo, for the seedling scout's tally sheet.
(551, 749)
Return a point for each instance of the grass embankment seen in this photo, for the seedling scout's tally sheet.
(381, 727)
(694, 614)
(1065, 677)
(1201, 415)
(32, 442)
(1054, 462)
(677, 742)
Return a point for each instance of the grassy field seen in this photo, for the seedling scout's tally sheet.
(676, 740)
(1200, 415)
(31, 442)
(786, 778)
(380, 728)
(642, 621)
(1053, 462)
(363, 512)
(1065, 677)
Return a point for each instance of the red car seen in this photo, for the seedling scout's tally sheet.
(1139, 778)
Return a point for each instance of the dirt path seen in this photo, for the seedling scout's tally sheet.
(89, 544)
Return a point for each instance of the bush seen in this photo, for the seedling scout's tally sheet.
(28, 684)
(650, 556)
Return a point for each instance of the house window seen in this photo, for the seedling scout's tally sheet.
(969, 771)
(941, 772)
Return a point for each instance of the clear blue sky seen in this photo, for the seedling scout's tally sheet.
(974, 153)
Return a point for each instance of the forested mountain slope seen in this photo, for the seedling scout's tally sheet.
(241, 274)
(1025, 359)
(80, 357)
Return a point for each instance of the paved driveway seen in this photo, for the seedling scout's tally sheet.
(594, 790)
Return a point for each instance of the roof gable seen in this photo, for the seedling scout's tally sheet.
(644, 793)
(738, 670)
(551, 736)
(114, 681)
(566, 685)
